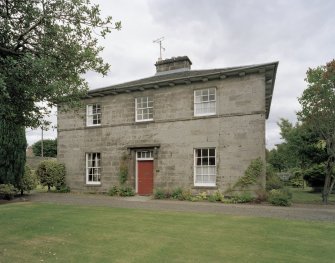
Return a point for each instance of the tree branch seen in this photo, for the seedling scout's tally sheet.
(8, 52)
(29, 30)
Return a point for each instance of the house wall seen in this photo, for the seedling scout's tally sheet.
(237, 132)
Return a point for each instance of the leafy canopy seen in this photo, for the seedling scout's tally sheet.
(318, 112)
(45, 48)
(49, 148)
(318, 101)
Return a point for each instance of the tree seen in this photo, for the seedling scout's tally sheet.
(49, 148)
(51, 173)
(46, 46)
(300, 147)
(318, 113)
(13, 146)
(28, 181)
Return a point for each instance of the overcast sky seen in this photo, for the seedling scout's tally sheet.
(216, 34)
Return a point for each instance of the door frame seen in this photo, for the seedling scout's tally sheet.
(150, 158)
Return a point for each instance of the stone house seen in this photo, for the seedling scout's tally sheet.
(195, 129)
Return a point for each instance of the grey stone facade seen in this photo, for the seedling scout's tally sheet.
(236, 131)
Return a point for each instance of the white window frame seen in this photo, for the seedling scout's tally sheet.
(90, 115)
(202, 99)
(148, 108)
(205, 167)
(97, 169)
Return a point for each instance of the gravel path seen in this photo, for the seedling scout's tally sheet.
(300, 212)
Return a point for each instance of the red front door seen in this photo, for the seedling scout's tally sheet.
(145, 177)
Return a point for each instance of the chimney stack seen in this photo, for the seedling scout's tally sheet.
(172, 65)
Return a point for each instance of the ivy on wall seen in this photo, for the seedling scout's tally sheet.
(123, 169)
(251, 175)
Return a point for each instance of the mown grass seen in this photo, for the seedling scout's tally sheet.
(308, 196)
(67, 233)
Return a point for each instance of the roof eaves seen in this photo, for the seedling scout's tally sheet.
(165, 82)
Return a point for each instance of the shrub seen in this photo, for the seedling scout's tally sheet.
(177, 193)
(186, 195)
(126, 191)
(114, 191)
(64, 189)
(245, 197)
(51, 173)
(159, 194)
(7, 191)
(29, 180)
(297, 178)
(274, 182)
(202, 196)
(217, 196)
(261, 195)
(315, 176)
(272, 179)
(280, 197)
(121, 191)
(211, 198)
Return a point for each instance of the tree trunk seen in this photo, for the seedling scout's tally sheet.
(48, 188)
(327, 185)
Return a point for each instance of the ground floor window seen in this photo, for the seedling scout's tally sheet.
(93, 168)
(205, 167)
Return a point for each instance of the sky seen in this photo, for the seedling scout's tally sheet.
(300, 34)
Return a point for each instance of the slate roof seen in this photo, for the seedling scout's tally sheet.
(190, 76)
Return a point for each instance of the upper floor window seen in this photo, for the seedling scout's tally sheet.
(204, 167)
(93, 115)
(144, 109)
(93, 168)
(205, 102)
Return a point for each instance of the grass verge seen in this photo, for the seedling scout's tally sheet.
(68, 233)
(308, 196)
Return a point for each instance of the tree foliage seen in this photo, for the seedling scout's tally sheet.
(28, 181)
(13, 146)
(49, 148)
(298, 149)
(51, 173)
(45, 48)
(318, 113)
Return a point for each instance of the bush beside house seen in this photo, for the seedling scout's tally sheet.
(52, 173)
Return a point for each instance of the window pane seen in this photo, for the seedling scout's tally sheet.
(89, 109)
(211, 152)
(204, 161)
(211, 160)
(205, 92)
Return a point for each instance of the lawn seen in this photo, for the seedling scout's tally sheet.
(307, 196)
(66, 233)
